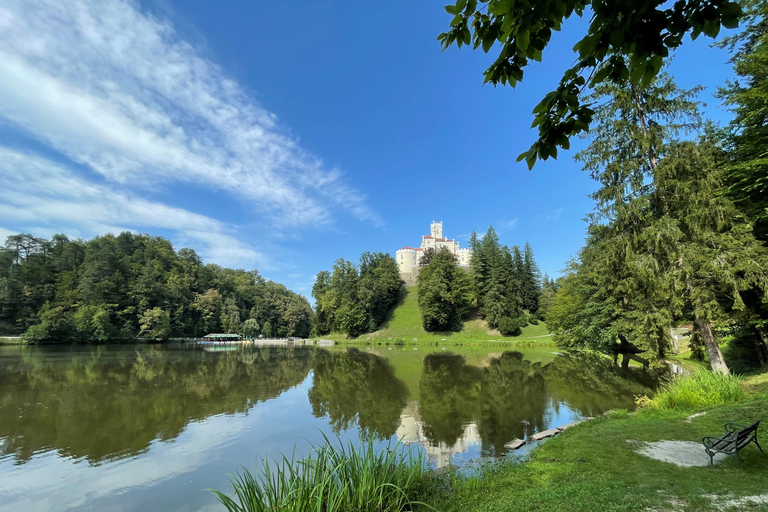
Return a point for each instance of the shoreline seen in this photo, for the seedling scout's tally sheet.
(601, 465)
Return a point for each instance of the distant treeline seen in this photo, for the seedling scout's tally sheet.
(355, 298)
(120, 287)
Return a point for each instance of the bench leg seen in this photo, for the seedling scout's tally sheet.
(739, 459)
(758, 445)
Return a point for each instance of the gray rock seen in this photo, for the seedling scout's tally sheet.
(568, 425)
(514, 444)
(545, 434)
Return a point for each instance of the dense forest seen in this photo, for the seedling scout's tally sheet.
(679, 230)
(503, 284)
(355, 298)
(135, 285)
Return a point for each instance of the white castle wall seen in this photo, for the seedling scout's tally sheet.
(409, 258)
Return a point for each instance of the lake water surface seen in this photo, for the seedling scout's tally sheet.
(151, 427)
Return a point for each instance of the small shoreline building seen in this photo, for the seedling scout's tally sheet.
(409, 258)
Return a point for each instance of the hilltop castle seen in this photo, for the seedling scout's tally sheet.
(409, 258)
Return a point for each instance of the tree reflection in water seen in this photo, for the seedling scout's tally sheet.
(113, 402)
(449, 391)
(109, 402)
(355, 386)
(592, 384)
(514, 401)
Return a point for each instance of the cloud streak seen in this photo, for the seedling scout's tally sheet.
(48, 197)
(119, 91)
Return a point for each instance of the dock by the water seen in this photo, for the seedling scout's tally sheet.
(263, 342)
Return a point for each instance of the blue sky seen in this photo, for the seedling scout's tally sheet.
(281, 136)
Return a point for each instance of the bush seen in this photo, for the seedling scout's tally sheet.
(698, 390)
(335, 479)
(522, 321)
(533, 320)
(509, 326)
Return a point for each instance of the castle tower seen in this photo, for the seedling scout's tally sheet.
(436, 229)
(409, 258)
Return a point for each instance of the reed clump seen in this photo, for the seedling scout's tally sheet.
(698, 390)
(335, 477)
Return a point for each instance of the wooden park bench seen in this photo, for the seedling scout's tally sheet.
(736, 437)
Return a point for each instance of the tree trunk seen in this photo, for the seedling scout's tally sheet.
(716, 360)
(624, 361)
(673, 340)
(764, 349)
(763, 336)
(651, 154)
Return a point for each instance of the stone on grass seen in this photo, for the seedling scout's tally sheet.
(680, 453)
(694, 416)
(514, 444)
(544, 434)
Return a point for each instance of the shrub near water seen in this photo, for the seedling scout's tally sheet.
(698, 390)
(334, 479)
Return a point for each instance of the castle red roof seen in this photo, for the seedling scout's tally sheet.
(427, 236)
(411, 248)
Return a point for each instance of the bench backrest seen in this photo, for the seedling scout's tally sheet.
(745, 435)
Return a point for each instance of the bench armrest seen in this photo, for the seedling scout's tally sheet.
(732, 427)
(710, 441)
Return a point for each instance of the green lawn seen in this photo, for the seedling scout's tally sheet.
(595, 466)
(404, 323)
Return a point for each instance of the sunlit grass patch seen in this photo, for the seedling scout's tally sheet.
(335, 477)
(698, 390)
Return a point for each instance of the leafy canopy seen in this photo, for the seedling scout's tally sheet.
(627, 41)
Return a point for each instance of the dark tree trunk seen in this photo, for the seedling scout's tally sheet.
(763, 336)
(716, 360)
(625, 361)
(673, 341)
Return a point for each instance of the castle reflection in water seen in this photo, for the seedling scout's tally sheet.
(411, 432)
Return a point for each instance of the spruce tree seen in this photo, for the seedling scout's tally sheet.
(663, 238)
(748, 135)
(531, 281)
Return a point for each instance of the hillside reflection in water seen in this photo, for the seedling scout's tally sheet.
(119, 408)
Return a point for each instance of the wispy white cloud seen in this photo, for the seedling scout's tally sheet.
(118, 90)
(5, 233)
(46, 197)
(554, 214)
(505, 225)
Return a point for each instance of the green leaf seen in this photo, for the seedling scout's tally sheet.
(452, 9)
(711, 28)
(730, 14)
(522, 40)
(487, 44)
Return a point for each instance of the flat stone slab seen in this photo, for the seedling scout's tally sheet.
(514, 444)
(544, 434)
(685, 454)
(692, 417)
(569, 425)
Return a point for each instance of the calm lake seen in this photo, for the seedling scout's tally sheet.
(151, 427)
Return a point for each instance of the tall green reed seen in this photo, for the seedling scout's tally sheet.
(334, 477)
(698, 390)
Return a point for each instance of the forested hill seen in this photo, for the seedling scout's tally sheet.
(120, 287)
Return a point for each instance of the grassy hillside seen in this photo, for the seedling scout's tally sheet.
(404, 323)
